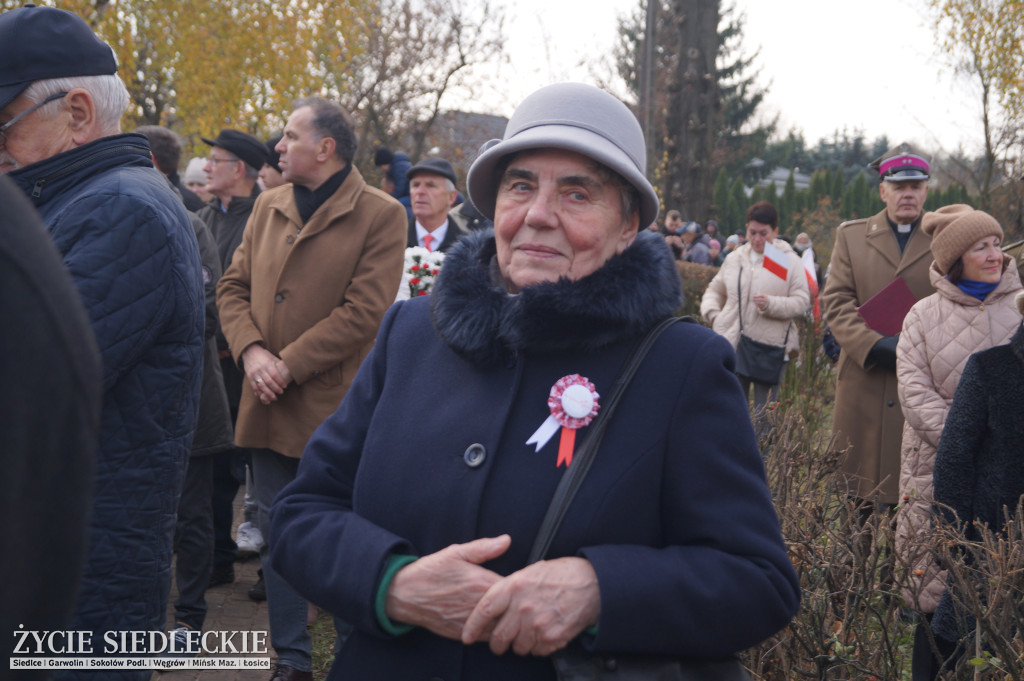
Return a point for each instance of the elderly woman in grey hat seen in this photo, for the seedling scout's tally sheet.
(416, 509)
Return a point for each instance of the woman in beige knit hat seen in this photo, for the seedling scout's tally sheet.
(972, 309)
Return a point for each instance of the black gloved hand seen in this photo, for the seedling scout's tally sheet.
(883, 353)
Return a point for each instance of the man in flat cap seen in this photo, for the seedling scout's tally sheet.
(432, 191)
(319, 264)
(868, 255)
(232, 169)
(126, 240)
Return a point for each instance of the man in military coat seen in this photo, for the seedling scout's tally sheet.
(868, 255)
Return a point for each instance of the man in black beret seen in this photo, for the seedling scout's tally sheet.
(232, 169)
(125, 238)
(432, 192)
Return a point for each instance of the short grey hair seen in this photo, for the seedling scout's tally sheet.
(108, 93)
(332, 120)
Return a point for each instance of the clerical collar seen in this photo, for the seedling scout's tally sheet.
(307, 201)
(903, 232)
(903, 229)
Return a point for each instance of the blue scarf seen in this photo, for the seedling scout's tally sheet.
(978, 289)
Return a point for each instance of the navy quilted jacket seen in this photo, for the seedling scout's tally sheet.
(127, 241)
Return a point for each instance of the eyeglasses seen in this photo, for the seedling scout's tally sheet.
(6, 126)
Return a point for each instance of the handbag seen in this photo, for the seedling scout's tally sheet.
(573, 663)
(757, 361)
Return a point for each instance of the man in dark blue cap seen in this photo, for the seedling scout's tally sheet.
(432, 191)
(126, 240)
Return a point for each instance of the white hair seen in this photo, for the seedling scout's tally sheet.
(108, 93)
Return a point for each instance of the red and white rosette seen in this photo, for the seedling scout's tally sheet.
(573, 404)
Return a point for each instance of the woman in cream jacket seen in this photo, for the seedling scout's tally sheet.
(768, 303)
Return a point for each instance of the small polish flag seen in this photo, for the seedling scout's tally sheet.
(812, 282)
(775, 261)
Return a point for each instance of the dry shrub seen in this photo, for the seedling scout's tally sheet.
(849, 625)
(696, 278)
(852, 623)
(986, 581)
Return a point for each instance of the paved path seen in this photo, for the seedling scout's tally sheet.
(230, 609)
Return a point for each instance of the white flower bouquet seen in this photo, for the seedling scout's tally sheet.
(420, 272)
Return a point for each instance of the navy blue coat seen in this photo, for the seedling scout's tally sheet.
(675, 515)
(128, 244)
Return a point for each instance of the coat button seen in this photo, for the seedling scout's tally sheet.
(891, 403)
(290, 239)
(475, 455)
(611, 664)
(280, 298)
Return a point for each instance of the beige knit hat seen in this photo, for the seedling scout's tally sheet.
(1020, 302)
(956, 228)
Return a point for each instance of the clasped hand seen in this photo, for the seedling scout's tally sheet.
(268, 376)
(534, 611)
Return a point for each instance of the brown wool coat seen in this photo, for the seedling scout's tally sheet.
(314, 298)
(868, 422)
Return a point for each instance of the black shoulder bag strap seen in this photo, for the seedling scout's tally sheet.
(584, 456)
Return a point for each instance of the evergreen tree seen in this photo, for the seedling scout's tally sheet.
(738, 204)
(835, 185)
(721, 195)
(819, 187)
(789, 203)
(694, 101)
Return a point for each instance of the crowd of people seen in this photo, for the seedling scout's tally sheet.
(238, 325)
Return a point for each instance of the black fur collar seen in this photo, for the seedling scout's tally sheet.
(481, 322)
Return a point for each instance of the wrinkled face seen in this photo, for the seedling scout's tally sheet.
(430, 198)
(32, 138)
(758, 233)
(557, 214)
(299, 148)
(221, 171)
(983, 261)
(903, 200)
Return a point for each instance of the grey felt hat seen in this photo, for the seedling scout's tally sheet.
(575, 117)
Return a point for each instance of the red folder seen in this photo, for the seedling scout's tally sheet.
(884, 311)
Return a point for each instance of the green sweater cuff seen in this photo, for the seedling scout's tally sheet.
(394, 564)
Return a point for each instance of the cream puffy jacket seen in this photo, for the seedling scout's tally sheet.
(788, 299)
(939, 334)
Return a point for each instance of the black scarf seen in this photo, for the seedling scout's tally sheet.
(308, 200)
(482, 322)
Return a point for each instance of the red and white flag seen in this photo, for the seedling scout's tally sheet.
(812, 282)
(775, 261)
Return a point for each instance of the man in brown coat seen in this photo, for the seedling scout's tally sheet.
(868, 255)
(320, 262)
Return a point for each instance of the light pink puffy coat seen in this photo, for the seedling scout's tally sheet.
(939, 334)
(788, 299)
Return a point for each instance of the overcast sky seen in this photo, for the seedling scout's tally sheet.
(868, 65)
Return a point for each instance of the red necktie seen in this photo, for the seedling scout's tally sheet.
(426, 241)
